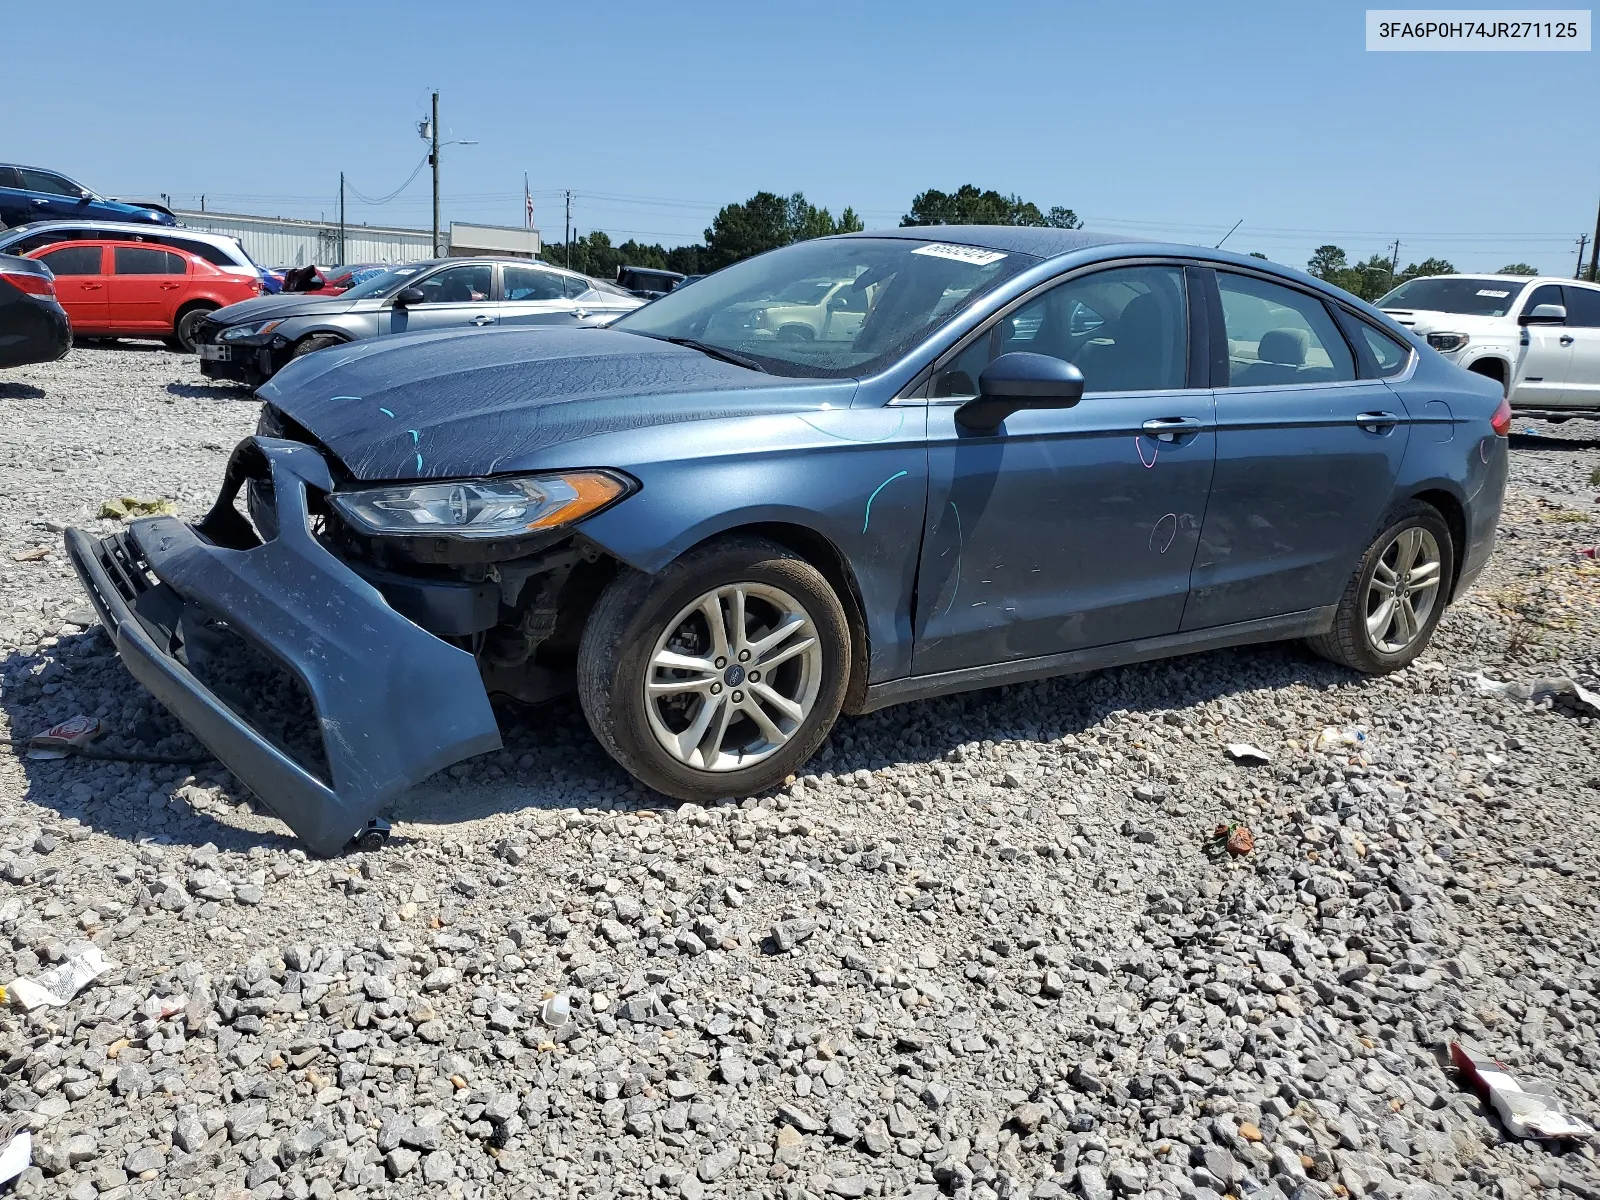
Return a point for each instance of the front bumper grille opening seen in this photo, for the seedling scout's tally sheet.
(257, 688)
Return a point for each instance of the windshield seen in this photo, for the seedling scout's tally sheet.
(382, 284)
(898, 291)
(1489, 297)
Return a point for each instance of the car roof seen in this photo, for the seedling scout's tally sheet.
(1043, 242)
(138, 227)
(111, 241)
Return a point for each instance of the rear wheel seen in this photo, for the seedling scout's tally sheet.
(183, 331)
(1397, 595)
(721, 675)
(317, 341)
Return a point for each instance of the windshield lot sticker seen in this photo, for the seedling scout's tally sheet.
(975, 255)
(1492, 292)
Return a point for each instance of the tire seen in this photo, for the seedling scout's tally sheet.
(1414, 528)
(639, 617)
(183, 332)
(317, 341)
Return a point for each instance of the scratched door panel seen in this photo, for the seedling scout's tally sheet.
(1070, 528)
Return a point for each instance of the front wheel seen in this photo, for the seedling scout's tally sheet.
(720, 676)
(188, 324)
(1397, 595)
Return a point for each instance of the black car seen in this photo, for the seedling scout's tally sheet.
(33, 325)
(647, 282)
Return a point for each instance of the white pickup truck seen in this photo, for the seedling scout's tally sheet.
(1539, 337)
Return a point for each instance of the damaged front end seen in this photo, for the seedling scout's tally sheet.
(395, 640)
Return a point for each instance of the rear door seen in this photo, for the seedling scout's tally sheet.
(1307, 456)
(81, 284)
(1544, 361)
(145, 284)
(1583, 327)
(456, 297)
(532, 296)
(1068, 528)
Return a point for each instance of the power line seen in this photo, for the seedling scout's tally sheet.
(354, 191)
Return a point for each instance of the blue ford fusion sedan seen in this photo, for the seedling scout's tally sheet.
(851, 472)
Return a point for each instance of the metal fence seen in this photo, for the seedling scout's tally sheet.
(287, 242)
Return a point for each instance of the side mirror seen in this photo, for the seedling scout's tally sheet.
(410, 295)
(1019, 380)
(1544, 314)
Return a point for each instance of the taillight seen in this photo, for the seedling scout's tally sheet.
(1501, 421)
(34, 285)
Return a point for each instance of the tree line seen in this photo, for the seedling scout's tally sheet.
(766, 221)
(1378, 275)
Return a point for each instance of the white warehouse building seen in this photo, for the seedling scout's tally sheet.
(290, 242)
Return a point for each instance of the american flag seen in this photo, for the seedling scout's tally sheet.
(527, 203)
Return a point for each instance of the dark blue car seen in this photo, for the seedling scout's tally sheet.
(852, 472)
(31, 194)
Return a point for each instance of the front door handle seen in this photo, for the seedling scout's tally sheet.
(1566, 339)
(1377, 422)
(580, 313)
(1170, 429)
(481, 320)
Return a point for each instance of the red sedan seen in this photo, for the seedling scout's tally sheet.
(134, 289)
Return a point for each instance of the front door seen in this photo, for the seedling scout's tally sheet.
(1544, 361)
(52, 196)
(532, 296)
(1076, 527)
(145, 282)
(1307, 457)
(81, 284)
(459, 297)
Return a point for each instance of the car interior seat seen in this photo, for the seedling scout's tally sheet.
(1128, 354)
(1280, 358)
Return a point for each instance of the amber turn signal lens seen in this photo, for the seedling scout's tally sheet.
(591, 491)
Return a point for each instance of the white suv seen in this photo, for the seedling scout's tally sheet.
(1539, 337)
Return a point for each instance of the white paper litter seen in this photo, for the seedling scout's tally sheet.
(17, 1156)
(60, 983)
(1244, 752)
(1570, 691)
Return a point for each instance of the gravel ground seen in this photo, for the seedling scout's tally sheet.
(981, 952)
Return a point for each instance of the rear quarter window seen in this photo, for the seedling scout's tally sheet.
(1387, 353)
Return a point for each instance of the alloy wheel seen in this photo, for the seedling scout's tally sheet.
(733, 677)
(1403, 590)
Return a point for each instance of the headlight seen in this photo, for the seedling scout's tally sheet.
(1447, 343)
(483, 508)
(238, 333)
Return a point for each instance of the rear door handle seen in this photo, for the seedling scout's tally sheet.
(1169, 429)
(1377, 422)
(580, 313)
(481, 320)
(91, 287)
(168, 287)
(1566, 339)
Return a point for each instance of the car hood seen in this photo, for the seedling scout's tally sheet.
(1425, 321)
(268, 308)
(479, 402)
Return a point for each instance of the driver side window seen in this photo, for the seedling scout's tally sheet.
(1126, 329)
(466, 284)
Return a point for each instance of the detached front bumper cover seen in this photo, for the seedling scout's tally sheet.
(394, 703)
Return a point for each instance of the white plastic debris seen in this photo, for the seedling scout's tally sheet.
(1351, 737)
(60, 983)
(16, 1157)
(1561, 689)
(60, 740)
(556, 1010)
(1248, 755)
(1529, 1111)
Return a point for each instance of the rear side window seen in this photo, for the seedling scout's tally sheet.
(530, 283)
(215, 255)
(74, 260)
(576, 287)
(132, 260)
(1278, 336)
(34, 242)
(1583, 306)
(1389, 354)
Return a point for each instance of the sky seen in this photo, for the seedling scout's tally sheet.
(1172, 120)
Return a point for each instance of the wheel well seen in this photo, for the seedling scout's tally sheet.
(1494, 368)
(317, 333)
(826, 557)
(1456, 520)
(193, 305)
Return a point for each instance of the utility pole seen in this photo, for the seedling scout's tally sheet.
(1582, 242)
(433, 160)
(341, 219)
(568, 263)
(203, 208)
(1594, 251)
(1394, 263)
